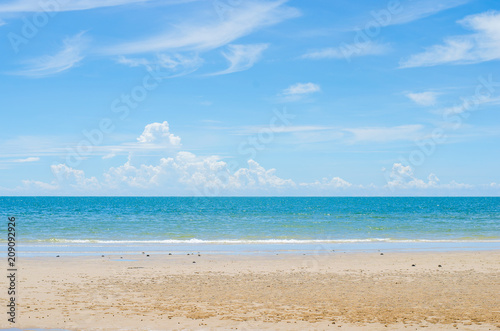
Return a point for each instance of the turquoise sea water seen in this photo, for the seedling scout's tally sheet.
(117, 224)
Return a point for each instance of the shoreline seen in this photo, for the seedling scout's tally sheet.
(442, 290)
(97, 249)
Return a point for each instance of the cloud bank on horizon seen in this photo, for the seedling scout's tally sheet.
(184, 173)
(270, 97)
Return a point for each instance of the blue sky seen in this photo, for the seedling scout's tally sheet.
(231, 97)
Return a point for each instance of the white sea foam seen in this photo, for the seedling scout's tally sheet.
(261, 241)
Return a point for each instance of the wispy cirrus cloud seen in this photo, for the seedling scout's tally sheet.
(24, 6)
(346, 135)
(69, 56)
(248, 130)
(348, 50)
(415, 10)
(386, 134)
(240, 21)
(28, 159)
(241, 57)
(165, 65)
(466, 105)
(302, 88)
(480, 46)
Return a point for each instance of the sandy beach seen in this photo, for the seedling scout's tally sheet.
(382, 290)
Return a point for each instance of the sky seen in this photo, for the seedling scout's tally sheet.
(233, 97)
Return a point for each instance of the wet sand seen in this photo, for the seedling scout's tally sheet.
(290, 292)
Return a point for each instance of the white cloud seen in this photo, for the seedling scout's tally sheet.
(242, 57)
(325, 183)
(346, 51)
(402, 177)
(255, 176)
(384, 134)
(201, 175)
(134, 62)
(73, 178)
(165, 65)
(469, 104)
(155, 137)
(240, 21)
(23, 6)
(185, 173)
(68, 57)
(33, 185)
(424, 98)
(127, 175)
(453, 185)
(68, 180)
(482, 45)
(282, 129)
(28, 159)
(302, 88)
(109, 155)
(415, 10)
(159, 133)
(317, 133)
(26, 146)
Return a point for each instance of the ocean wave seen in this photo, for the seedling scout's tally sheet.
(259, 241)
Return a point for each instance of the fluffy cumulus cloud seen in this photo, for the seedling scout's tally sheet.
(256, 176)
(67, 180)
(74, 178)
(158, 133)
(402, 177)
(183, 173)
(187, 172)
(482, 45)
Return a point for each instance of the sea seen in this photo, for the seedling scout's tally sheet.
(49, 226)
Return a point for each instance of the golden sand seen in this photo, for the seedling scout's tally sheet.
(289, 292)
